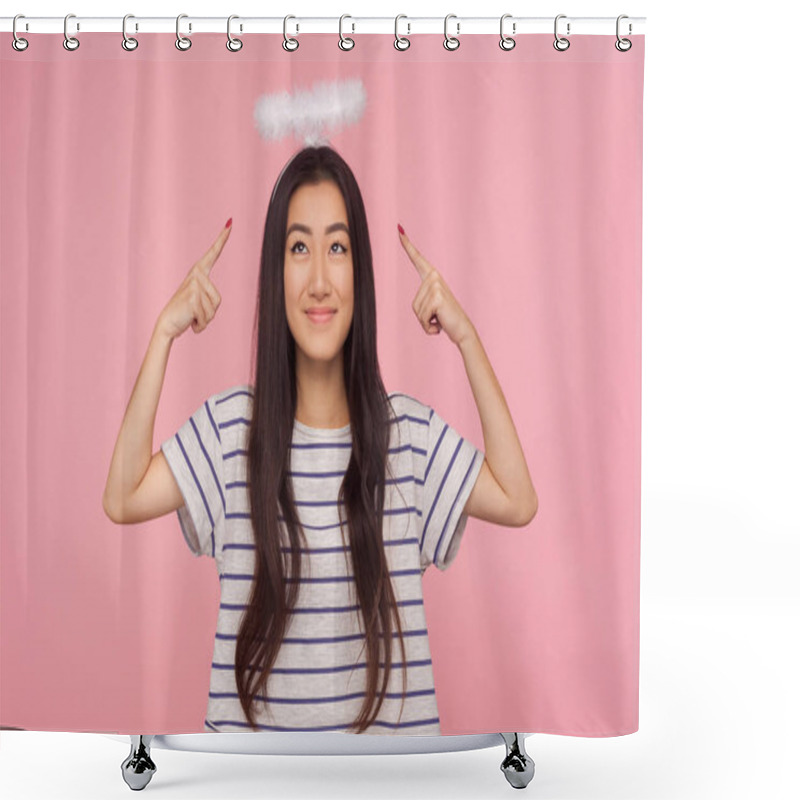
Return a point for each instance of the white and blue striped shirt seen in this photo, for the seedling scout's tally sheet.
(318, 681)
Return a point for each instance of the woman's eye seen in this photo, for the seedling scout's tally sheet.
(335, 244)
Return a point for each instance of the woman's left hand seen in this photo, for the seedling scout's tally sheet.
(435, 305)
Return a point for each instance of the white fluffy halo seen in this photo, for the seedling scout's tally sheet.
(310, 114)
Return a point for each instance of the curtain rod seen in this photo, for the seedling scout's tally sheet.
(407, 25)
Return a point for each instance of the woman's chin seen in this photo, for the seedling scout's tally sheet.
(320, 353)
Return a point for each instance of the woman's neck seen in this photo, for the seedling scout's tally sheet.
(322, 399)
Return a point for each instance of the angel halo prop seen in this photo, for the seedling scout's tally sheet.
(310, 114)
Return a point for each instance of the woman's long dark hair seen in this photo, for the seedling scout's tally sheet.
(362, 492)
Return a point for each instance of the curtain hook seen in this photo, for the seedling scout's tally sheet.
(560, 42)
(289, 39)
(406, 43)
(451, 42)
(17, 42)
(233, 44)
(345, 42)
(182, 42)
(623, 45)
(128, 42)
(70, 42)
(507, 42)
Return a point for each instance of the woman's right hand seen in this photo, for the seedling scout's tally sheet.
(196, 301)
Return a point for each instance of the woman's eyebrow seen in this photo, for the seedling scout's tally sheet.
(337, 226)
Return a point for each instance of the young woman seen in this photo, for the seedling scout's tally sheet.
(321, 497)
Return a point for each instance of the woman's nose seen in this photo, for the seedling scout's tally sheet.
(318, 269)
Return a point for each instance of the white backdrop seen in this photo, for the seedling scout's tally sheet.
(720, 437)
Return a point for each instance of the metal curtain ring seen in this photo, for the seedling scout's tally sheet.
(451, 42)
(560, 42)
(17, 42)
(345, 42)
(233, 44)
(400, 42)
(70, 42)
(182, 42)
(128, 42)
(289, 43)
(623, 45)
(506, 42)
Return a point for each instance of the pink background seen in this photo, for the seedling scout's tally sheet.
(517, 174)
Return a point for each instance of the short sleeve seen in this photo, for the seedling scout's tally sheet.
(194, 455)
(452, 464)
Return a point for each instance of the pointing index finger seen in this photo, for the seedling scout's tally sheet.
(417, 259)
(212, 254)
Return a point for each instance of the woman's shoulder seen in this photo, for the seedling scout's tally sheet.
(404, 404)
(233, 401)
(405, 397)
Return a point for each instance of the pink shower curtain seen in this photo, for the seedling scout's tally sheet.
(517, 175)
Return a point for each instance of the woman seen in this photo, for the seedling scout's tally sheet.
(369, 488)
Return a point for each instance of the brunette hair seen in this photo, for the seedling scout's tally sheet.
(272, 596)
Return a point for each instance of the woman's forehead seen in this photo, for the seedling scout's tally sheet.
(317, 206)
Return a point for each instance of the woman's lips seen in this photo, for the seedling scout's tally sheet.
(320, 318)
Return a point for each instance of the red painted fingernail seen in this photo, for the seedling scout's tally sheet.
(400, 228)
(228, 223)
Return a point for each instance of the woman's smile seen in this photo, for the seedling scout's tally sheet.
(320, 317)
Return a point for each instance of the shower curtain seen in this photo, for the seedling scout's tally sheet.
(516, 178)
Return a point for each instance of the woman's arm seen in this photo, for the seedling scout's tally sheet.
(194, 303)
(505, 458)
(133, 450)
(503, 492)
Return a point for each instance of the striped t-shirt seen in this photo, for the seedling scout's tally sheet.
(318, 680)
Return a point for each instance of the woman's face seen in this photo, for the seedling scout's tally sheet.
(318, 271)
